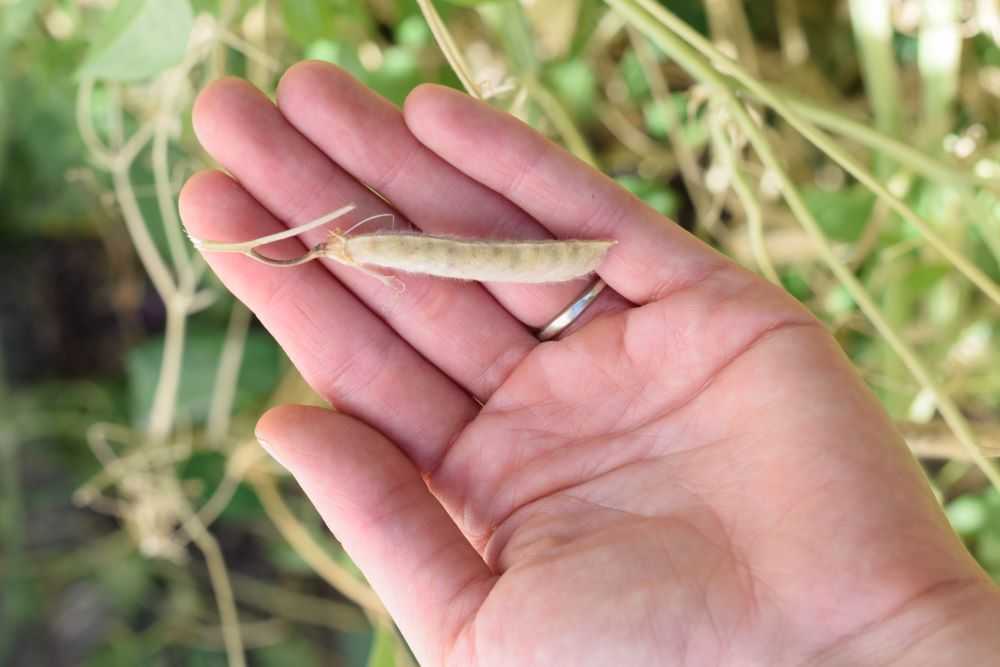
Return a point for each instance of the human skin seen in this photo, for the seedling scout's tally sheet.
(693, 475)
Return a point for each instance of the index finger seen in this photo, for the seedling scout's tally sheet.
(344, 351)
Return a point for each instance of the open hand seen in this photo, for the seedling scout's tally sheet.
(692, 475)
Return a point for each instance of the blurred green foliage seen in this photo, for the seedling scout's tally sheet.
(139, 39)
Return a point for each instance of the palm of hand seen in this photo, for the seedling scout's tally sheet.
(668, 480)
(696, 480)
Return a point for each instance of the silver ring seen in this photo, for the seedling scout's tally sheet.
(573, 311)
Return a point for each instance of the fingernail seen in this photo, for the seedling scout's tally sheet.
(270, 450)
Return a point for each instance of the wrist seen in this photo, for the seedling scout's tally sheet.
(954, 623)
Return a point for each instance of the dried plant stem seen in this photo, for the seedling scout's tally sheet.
(939, 57)
(161, 415)
(226, 602)
(687, 161)
(661, 31)
(727, 66)
(157, 270)
(176, 303)
(227, 374)
(749, 201)
(794, 45)
(171, 83)
(298, 607)
(117, 468)
(914, 159)
(625, 131)
(521, 51)
(248, 247)
(755, 225)
(561, 120)
(253, 53)
(203, 634)
(304, 544)
(99, 152)
(126, 154)
(165, 197)
(935, 441)
(873, 30)
(144, 486)
(241, 460)
(448, 47)
(728, 23)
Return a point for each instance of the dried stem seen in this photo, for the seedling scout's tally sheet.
(219, 577)
(158, 273)
(304, 544)
(298, 607)
(914, 159)
(165, 196)
(227, 374)
(560, 118)
(751, 206)
(249, 248)
(687, 161)
(448, 47)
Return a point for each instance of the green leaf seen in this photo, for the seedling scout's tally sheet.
(691, 12)
(637, 185)
(796, 284)
(258, 374)
(574, 82)
(665, 202)
(339, 54)
(988, 551)
(398, 75)
(843, 214)
(967, 514)
(383, 651)
(662, 117)
(413, 32)
(308, 21)
(126, 582)
(658, 196)
(209, 469)
(140, 39)
(15, 19)
(124, 651)
(634, 75)
(205, 657)
(293, 651)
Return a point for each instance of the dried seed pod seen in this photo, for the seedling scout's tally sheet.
(443, 256)
(468, 259)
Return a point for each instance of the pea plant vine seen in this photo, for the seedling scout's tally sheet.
(139, 483)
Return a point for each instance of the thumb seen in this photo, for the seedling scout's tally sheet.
(376, 503)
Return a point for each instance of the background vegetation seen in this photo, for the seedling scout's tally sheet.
(849, 150)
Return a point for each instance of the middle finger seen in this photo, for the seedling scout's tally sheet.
(367, 136)
(457, 326)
